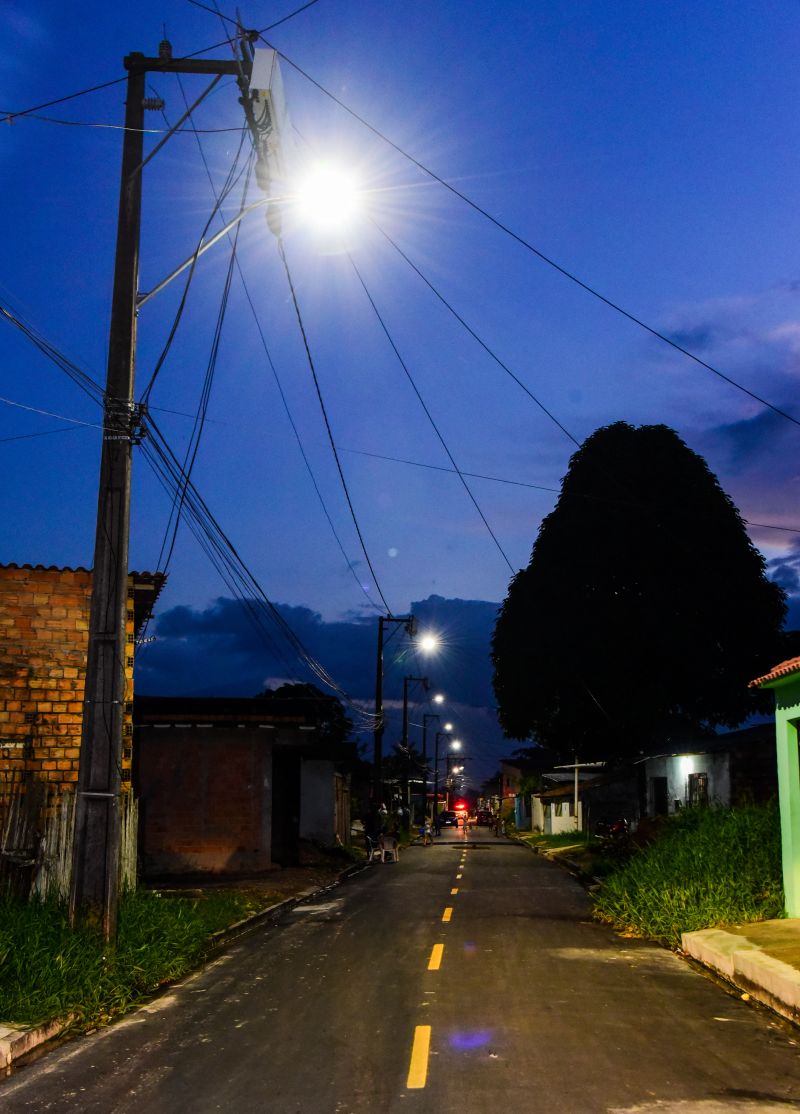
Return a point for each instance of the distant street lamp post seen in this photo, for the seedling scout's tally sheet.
(448, 727)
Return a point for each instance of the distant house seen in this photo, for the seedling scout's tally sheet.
(231, 785)
(724, 770)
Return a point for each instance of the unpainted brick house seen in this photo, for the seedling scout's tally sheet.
(231, 785)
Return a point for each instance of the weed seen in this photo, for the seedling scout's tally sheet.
(48, 970)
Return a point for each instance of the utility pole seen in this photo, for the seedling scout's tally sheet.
(96, 847)
(377, 743)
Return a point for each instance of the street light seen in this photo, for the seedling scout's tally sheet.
(426, 642)
(448, 727)
(328, 198)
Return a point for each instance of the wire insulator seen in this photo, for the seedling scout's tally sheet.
(153, 104)
(165, 50)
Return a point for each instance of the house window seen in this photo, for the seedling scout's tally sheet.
(698, 789)
(559, 808)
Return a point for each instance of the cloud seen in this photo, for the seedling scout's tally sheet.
(221, 650)
(763, 434)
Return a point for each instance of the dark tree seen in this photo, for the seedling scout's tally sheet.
(333, 725)
(645, 609)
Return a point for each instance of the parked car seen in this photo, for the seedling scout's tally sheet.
(483, 817)
(448, 819)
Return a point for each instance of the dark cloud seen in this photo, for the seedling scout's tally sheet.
(694, 338)
(761, 436)
(219, 651)
(785, 571)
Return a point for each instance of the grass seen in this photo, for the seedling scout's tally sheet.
(49, 971)
(706, 867)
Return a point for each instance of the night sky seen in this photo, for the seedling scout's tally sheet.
(652, 151)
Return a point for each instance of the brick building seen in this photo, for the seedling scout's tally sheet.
(233, 785)
(44, 625)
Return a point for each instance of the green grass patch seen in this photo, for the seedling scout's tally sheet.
(707, 867)
(49, 971)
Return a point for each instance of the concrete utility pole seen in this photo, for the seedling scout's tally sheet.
(96, 848)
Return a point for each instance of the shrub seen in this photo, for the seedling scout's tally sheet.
(706, 867)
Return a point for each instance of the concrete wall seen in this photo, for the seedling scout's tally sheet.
(677, 769)
(318, 801)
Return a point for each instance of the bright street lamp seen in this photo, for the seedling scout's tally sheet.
(328, 198)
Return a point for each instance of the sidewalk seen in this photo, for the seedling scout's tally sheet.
(761, 959)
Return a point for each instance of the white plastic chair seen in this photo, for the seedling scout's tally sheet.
(391, 851)
(374, 852)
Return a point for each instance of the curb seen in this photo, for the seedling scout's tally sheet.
(746, 966)
(16, 1041)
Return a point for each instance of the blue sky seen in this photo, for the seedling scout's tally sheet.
(652, 150)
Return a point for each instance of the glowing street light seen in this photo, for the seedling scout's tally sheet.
(329, 198)
(438, 698)
(429, 644)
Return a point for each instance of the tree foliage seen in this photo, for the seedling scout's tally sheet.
(644, 610)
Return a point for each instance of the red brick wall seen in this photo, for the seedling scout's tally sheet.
(204, 799)
(44, 623)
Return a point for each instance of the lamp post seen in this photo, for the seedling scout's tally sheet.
(448, 727)
(406, 681)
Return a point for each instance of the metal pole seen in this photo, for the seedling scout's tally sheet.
(95, 863)
(436, 785)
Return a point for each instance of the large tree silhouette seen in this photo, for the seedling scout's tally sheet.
(645, 609)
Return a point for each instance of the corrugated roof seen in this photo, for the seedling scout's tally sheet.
(785, 669)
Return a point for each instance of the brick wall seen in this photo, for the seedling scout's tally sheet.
(44, 623)
(205, 799)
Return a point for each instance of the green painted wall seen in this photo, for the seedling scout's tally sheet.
(787, 717)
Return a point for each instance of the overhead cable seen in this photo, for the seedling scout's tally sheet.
(248, 297)
(428, 414)
(331, 440)
(531, 248)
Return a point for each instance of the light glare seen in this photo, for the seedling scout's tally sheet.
(329, 198)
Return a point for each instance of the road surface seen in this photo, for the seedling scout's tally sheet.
(468, 978)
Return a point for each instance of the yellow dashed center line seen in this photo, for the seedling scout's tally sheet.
(459, 876)
(447, 914)
(418, 1068)
(454, 890)
(435, 961)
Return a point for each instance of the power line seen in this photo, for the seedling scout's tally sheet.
(536, 487)
(236, 568)
(348, 562)
(8, 117)
(230, 182)
(122, 127)
(475, 336)
(79, 377)
(229, 19)
(328, 426)
(428, 414)
(530, 247)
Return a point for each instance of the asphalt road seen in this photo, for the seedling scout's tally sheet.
(466, 979)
